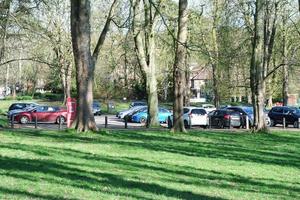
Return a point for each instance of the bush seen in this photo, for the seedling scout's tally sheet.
(24, 98)
(54, 97)
(39, 95)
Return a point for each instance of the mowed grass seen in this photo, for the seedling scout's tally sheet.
(149, 165)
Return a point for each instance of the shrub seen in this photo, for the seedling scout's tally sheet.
(39, 95)
(8, 98)
(54, 97)
(24, 98)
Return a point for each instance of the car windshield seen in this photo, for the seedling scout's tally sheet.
(248, 110)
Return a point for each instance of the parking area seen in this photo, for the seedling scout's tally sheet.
(115, 123)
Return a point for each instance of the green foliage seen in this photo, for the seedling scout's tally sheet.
(54, 97)
(24, 97)
(148, 165)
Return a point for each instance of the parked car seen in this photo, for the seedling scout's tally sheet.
(20, 106)
(16, 108)
(208, 107)
(96, 108)
(195, 116)
(123, 113)
(131, 114)
(137, 103)
(141, 117)
(51, 114)
(291, 115)
(248, 111)
(224, 118)
(243, 111)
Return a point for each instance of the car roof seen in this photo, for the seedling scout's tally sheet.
(193, 107)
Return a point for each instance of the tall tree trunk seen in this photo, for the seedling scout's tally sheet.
(179, 67)
(145, 51)
(80, 31)
(256, 68)
(84, 61)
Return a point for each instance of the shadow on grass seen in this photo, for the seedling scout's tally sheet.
(25, 194)
(86, 179)
(237, 147)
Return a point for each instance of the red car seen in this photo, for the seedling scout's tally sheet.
(43, 114)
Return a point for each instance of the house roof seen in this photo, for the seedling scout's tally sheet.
(201, 73)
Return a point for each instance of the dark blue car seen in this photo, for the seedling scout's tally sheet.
(290, 114)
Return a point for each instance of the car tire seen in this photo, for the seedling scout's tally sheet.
(24, 120)
(296, 124)
(143, 120)
(62, 119)
(272, 123)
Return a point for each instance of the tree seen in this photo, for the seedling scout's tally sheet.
(180, 66)
(85, 61)
(145, 50)
(262, 50)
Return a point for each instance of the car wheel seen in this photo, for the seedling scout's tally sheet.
(24, 120)
(143, 120)
(296, 124)
(61, 118)
(272, 123)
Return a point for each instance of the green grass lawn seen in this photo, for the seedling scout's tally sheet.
(149, 165)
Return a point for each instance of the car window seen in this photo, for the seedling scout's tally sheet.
(186, 110)
(50, 109)
(218, 112)
(248, 110)
(41, 109)
(198, 111)
(277, 110)
(163, 110)
(17, 106)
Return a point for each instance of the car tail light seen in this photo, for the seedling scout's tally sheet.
(226, 116)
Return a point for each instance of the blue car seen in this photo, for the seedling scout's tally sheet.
(141, 117)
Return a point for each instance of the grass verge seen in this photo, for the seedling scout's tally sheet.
(149, 165)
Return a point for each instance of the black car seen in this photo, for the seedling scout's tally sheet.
(20, 106)
(224, 118)
(244, 111)
(291, 115)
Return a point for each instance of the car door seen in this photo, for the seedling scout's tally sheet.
(163, 115)
(51, 114)
(213, 117)
(288, 115)
(278, 115)
(198, 117)
(39, 113)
